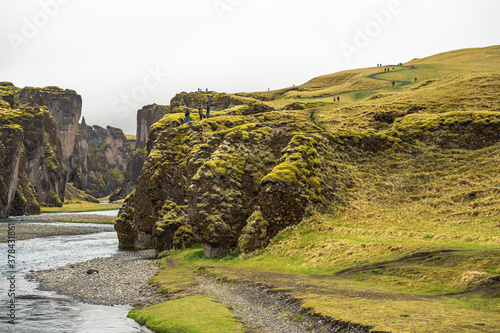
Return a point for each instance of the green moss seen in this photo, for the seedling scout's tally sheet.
(284, 173)
(54, 200)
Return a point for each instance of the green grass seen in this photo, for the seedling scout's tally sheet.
(80, 221)
(194, 313)
(174, 277)
(77, 206)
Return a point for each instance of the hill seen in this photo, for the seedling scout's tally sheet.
(380, 208)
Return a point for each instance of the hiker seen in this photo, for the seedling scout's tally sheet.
(208, 110)
(412, 67)
(415, 79)
(393, 69)
(393, 82)
(338, 98)
(200, 109)
(187, 115)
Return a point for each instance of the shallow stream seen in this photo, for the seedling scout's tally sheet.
(43, 311)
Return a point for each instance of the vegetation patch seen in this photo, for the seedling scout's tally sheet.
(196, 313)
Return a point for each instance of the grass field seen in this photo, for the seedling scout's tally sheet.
(81, 206)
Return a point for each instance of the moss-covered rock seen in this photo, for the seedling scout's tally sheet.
(100, 159)
(255, 233)
(44, 162)
(172, 230)
(218, 101)
(208, 177)
(123, 224)
(17, 196)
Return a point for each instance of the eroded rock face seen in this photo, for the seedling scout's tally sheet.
(146, 117)
(227, 182)
(99, 160)
(43, 159)
(11, 144)
(66, 108)
(32, 164)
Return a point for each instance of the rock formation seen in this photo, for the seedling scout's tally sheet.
(32, 166)
(11, 144)
(226, 182)
(150, 114)
(66, 109)
(146, 117)
(101, 156)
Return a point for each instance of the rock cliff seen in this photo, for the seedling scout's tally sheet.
(66, 109)
(146, 117)
(101, 156)
(227, 182)
(150, 114)
(11, 144)
(32, 166)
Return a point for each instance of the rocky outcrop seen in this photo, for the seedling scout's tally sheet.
(66, 108)
(146, 117)
(217, 101)
(214, 181)
(43, 155)
(133, 170)
(32, 166)
(11, 144)
(150, 114)
(101, 156)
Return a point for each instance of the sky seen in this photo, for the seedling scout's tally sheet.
(120, 55)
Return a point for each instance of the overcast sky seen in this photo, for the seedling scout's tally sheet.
(123, 54)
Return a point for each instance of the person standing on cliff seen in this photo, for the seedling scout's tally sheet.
(208, 110)
(187, 113)
(200, 111)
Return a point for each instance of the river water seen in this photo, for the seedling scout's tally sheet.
(44, 311)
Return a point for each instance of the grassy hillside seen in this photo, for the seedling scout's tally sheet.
(416, 245)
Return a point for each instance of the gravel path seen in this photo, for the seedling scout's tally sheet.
(121, 279)
(265, 310)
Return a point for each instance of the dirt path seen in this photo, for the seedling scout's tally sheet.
(399, 82)
(262, 309)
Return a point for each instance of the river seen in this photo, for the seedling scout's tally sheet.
(44, 311)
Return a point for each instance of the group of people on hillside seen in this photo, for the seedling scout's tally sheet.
(200, 112)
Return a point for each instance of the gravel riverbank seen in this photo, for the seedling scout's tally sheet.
(36, 226)
(121, 279)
